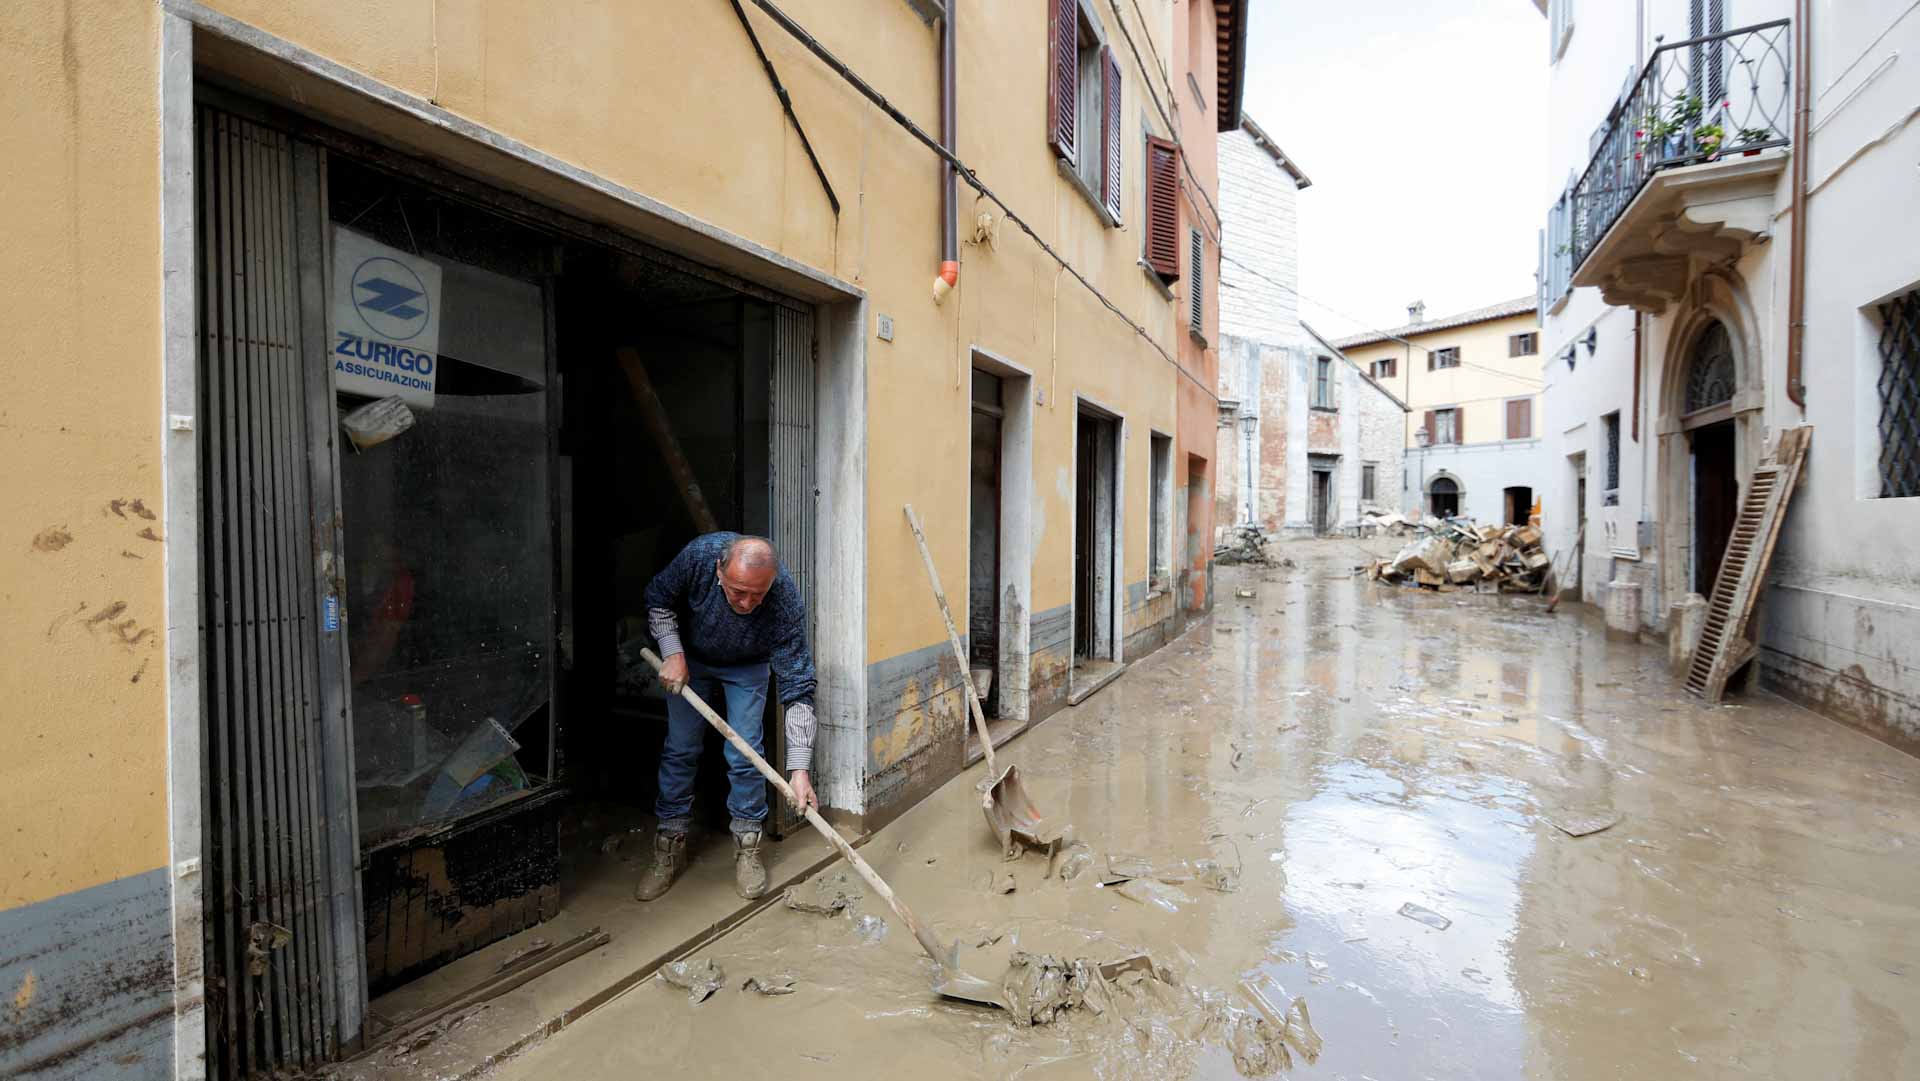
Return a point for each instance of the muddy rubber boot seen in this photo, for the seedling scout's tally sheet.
(669, 859)
(749, 874)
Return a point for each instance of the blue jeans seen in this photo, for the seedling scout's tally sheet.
(745, 686)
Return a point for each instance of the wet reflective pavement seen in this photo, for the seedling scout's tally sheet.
(1390, 783)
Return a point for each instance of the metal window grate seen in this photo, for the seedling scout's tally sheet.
(1710, 372)
(1900, 396)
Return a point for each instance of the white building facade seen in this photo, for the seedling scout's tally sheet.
(1682, 335)
(1308, 444)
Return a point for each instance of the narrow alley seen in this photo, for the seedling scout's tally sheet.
(1389, 782)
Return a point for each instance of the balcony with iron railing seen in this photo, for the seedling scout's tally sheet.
(1681, 166)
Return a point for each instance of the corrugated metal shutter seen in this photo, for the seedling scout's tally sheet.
(272, 1000)
(791, 430)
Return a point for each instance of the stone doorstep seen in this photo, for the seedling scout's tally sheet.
(645, 936)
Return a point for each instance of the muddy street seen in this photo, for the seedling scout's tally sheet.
(1476, 839)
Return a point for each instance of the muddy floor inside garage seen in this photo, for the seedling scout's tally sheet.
(1476, 839)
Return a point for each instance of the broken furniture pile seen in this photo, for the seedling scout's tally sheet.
(1454, 554)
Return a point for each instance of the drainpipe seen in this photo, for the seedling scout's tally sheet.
(1797, 258)
(949, 180)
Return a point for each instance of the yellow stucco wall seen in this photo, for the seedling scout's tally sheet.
(1481, 386)
(82, 712)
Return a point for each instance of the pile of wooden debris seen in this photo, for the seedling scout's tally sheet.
(1453, 554)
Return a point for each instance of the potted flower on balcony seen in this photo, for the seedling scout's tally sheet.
(1752, 137)
(1708, 138)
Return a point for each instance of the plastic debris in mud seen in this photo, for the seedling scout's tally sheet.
(871, 929)
(1147, 891)
(1074, 861)
(1428, 916)
(1002, 883)
(779, 984)
(700, 978)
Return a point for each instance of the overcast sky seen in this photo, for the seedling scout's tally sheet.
(1414, 120)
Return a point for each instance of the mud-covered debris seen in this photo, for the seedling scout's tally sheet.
(1040, 987)
(1299, 1032)
(1158, 894)
(611, 844)
(827, 896)
(1428, 916)
(699, 978)
(1582, 823)
(1246, 594)
(1003, 884)
(780, 984)
(531, 949)
(870, 929)
(262, 939)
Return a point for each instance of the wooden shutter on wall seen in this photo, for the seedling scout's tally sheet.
(1460, 425)
(1163, 208)
(1063, 77)
(1430, 428)
(1110, 130)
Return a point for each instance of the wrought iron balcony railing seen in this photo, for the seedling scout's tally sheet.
(1696, 100)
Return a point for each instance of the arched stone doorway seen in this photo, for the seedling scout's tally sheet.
(1710, 430)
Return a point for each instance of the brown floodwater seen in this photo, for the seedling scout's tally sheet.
(1389, 784)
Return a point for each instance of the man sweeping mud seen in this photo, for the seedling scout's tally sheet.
(725, 615)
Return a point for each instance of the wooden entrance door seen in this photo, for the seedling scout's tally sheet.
(1716, 500)
(1322, 500)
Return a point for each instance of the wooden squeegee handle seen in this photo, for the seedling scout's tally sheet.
(872, 877)
(953, 639)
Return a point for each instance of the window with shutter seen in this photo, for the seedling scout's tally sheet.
(1196, 296)
(1163, 208)
(1520, 418)
(1110, 131)
(1063, 77)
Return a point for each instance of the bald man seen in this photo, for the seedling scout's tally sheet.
(725, 616)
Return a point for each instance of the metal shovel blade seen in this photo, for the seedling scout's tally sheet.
(953, 981)
(1012, 814)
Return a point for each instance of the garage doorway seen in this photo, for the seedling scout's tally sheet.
(1096, 551)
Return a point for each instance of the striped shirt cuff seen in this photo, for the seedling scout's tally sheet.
(666, 631)
(800, 728)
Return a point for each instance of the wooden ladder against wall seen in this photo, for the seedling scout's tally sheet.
(1723, 646)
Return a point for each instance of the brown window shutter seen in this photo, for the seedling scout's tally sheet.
(1525, 409)
(1430, 428)
(1163, 208)
(1460, 425)
(1063, 77)
(1110, 130)
(1430, 360)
